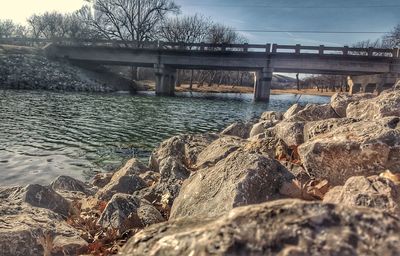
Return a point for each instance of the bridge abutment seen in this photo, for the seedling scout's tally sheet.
(262, 88)
(165, 80)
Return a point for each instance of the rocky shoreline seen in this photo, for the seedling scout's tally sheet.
(26, 68)
(316, 180)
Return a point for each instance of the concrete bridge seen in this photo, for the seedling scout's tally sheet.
(166, 58)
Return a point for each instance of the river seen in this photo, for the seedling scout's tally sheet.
(46, 134)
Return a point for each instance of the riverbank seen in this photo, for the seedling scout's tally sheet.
(150, 85)
(270, 186)
(27, 68)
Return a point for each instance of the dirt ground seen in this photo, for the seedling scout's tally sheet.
(238, 89)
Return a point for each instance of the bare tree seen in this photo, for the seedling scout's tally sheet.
(221, 34)
(130, 20)
(392, 40)
(36, 25)
(7, 28)
(78, 24)
(48, 25)
(188, 29)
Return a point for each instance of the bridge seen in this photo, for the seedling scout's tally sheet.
(166, 58)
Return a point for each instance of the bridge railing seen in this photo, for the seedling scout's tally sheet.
(343, 51)
(266, 48)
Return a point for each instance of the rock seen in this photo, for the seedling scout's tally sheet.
(239, 129)
(150, 177)
(33, 71)
(161, 194)
(283, 227)
(174, 159)
(359, 149)
(292, 133)
(314, 112)
(340, 101)
(374, 192)
(183, 148)
(124, 212)
(239, 179)
(313, 129)
(37, 231)
(261, 127)
(292, 111)
(30, 230)
(42, 197)
(125, 184)
(126, 180)
(265, 146)
(102, 179)
(386, 104)
(172, 169)
(66, 183)
(218, 150)
(271, 116)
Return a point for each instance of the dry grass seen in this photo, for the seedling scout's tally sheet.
(236, 89)
(13, 49)
(102, 241)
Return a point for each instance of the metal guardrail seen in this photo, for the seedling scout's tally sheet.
(266, 48)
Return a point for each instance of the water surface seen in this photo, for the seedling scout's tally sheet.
(46, 134)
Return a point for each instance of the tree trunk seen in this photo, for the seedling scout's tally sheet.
(241, 79)
(178, 78)
(212, 77)
(237, 80)
(134, 73)
(298, 81)
(221, 78)
(191, 80)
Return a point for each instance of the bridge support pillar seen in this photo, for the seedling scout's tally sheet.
(165, 80)
(262, 88)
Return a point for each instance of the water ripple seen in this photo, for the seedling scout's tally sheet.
(46, 134)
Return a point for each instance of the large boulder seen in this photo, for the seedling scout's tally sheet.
(271, 116)
(359, 149)
(313, 129)
(374, 192)
(283, 227)
(340, 101)
(261, 127)
(314, 112)
(100, 180)
(126, 180)
(124, 212)
(174, 159)
(170, 169)
(292, 111)
(292, 133)
(239, 179)
(218, 150)
(263, 145)
(34, 230)
(386, 104)
(42, 197)
(238, 129)
(183, 148)
(66, 183)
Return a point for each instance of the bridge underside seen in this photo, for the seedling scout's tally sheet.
(166, 62)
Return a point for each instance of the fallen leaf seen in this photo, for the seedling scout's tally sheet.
(395, 177)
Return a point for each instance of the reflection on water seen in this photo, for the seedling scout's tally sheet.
(46, 134)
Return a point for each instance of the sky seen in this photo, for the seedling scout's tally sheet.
(282, 15)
